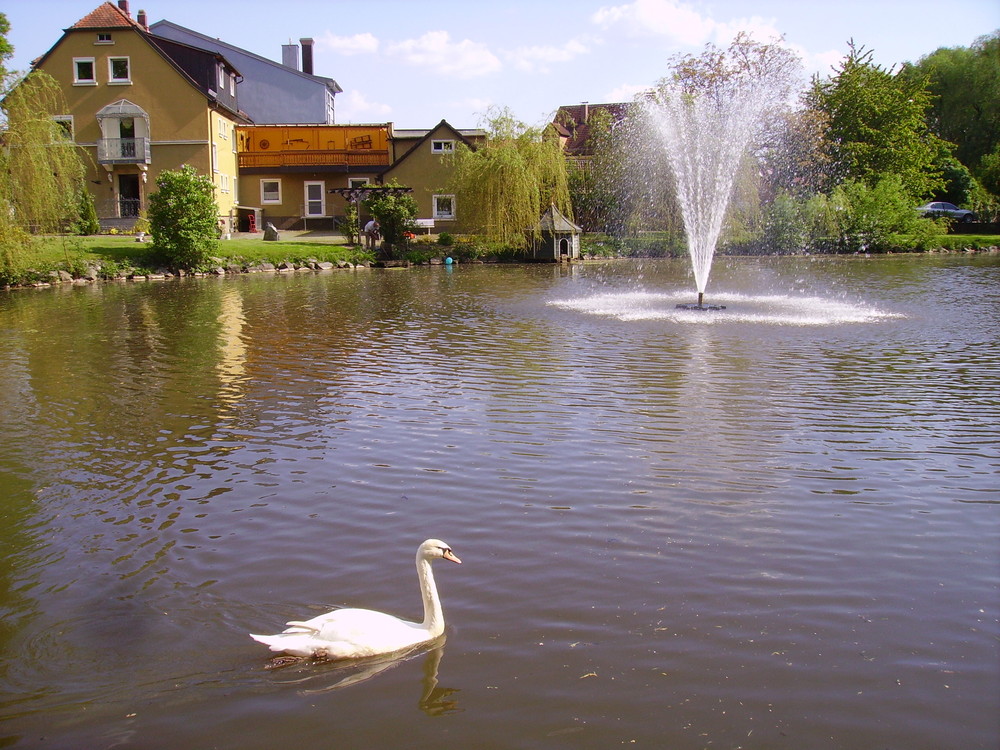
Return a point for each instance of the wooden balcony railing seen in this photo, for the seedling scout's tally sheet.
(337, 158)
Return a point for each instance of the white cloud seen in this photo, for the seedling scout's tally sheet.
(540, 57)
(358, 44)
(352, 106)
(824, 62)
(675, 20)
(626, 92)
(436, 50)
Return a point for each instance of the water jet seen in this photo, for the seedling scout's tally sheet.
(707, 115)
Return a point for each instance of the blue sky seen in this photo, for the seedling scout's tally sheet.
(416, 62)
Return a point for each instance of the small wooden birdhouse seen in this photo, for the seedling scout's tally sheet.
(560, 238)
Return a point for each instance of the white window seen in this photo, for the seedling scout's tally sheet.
(223, 129)
(222, 77)
(215, 157)
(118, 70)
(444, 207)
(66, 123)
(270, 191)
(104, 37)
(315, 198)
(223, 183)
(84, 73)
(357, 182)
(232, 84)
(442, 147)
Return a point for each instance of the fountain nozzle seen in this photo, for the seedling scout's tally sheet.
(700, 304)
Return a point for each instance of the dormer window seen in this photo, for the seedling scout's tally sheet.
(104, 37)
(118, 70)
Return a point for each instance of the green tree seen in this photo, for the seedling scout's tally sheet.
(506, 184)
(41, 171)
(395, 213)
(6, 48)
(876, 126)
(964, 84)
(184, 218)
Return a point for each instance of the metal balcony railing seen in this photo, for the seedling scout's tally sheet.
(123, 151)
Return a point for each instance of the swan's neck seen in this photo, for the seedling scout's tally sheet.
(433, 616)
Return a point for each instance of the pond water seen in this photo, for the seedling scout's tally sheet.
(770, 526)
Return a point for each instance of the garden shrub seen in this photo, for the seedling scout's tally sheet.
(183, 218)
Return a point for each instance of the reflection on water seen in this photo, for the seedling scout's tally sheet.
(774, 524)
(312, 676)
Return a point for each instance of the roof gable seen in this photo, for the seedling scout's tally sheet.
(194, 65)
(105, 16)
(435, 133)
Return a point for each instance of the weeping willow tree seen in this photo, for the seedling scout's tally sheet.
(506, 184)
(41, 169)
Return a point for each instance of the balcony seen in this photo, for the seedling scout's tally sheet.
(123, 151)
(353, 158)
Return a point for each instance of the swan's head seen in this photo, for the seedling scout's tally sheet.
(434, 548)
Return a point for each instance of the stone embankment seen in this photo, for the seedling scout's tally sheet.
(93, 273)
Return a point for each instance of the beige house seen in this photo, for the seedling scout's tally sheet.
(139, 105)
(288, 171)
(422, 160)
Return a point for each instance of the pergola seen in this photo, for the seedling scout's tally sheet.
(357, 194)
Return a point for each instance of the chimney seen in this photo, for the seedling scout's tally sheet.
(307, 55)
(141, 18)
(123, 5)
(290, 55)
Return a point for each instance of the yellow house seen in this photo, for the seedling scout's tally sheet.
(139, 105)
(422, 161)
(288, 171)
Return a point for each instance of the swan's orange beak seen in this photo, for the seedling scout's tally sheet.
(449, 555)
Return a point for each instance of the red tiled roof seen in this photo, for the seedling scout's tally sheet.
(105, 16)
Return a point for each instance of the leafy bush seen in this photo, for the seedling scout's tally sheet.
(445, 239)
(871, 218)
(183, 218)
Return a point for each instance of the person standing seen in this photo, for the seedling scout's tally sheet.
(371, 234)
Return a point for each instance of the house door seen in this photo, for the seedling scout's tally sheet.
(128, 195)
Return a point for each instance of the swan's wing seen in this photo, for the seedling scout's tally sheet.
(345, 633)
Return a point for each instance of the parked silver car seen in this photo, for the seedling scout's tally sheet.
(938, 209)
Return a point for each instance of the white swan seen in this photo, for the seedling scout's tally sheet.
(356, 633)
